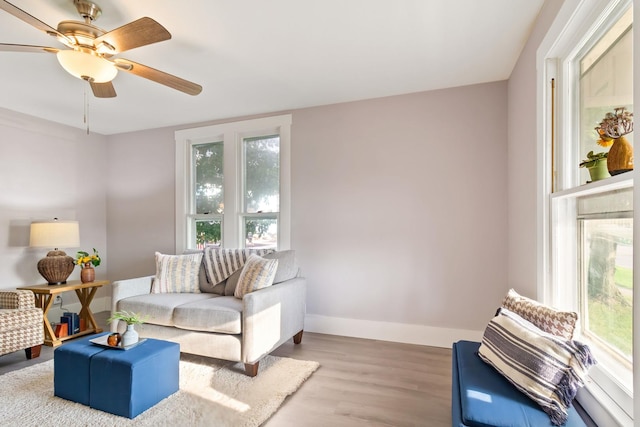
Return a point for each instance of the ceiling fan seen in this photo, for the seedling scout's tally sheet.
(91, 50)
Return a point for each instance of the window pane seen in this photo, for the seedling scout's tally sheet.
(606, 83)
(208, 186)
(261, 232)
(607, 271)
(262, 174)
(208, 233)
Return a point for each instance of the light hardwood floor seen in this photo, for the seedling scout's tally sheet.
(368, 383)
(359, 383)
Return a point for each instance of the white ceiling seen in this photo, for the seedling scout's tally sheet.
(257, 56)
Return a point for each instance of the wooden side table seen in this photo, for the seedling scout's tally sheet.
(45, 295)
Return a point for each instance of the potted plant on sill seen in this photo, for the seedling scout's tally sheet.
(596, 164)
(130, 336)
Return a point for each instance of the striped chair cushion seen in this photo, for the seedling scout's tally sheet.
(257, 273)
(177, 273)
(545, 367)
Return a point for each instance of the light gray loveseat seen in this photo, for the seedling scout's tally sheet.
(216, 324)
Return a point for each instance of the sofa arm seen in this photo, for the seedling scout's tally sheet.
(271, 316)
(18, 299)
(121, 289)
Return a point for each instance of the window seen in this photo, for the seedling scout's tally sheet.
(261, 201)
(232, 185)
(587, 227)
(208, 191)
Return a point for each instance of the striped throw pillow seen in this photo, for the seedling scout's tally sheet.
(545, 367)
(257, 273)
(177, 273)
(221, 263)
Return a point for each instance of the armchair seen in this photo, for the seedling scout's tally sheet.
(20, 323)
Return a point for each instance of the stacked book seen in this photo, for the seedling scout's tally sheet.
(73, 322)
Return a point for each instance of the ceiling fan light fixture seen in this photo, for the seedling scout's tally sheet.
(86, 66)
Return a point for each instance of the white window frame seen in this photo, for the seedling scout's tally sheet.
(609, 405)
(232, 135)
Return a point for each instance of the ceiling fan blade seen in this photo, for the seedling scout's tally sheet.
(29, 19)
(5, 47)
(158, 76)
(138, 33)
(103, 90)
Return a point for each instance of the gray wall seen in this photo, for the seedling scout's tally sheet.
(399, 207)
(48, 170)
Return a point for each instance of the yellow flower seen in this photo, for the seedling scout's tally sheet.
(83, 258)
(604, 140)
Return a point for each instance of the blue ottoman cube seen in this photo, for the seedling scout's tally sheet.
(480, 396)
(128, 382)
(71, 366)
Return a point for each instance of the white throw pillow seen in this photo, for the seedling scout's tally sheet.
(257, 273)
(177, 273)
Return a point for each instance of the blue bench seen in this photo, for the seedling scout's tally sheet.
(121, 382)
(481, 397)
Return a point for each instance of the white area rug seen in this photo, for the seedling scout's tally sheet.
(212, 393)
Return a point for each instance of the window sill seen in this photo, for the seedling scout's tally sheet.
(601, 407)
(624, 180)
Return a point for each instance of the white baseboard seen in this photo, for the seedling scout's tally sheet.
(97, 305)
(387, 331)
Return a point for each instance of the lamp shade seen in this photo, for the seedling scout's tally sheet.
(87, 66)
(57, 265)
(54, 234)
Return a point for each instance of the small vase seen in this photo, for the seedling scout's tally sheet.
(598, 171)
(620, 157)
(88, 273)
(129, 337)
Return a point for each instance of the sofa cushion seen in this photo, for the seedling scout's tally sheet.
(287, 270)
(177, 273)
(257, 273)
(231, 283)
(222, 315)
(287, 266)
(203, 282)
(545, 367)
(561, 323)
(158, 308)
(483, 397)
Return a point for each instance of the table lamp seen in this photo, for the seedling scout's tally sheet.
(57, 265)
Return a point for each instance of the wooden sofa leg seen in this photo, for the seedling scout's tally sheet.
(33, 352)
(297, 338)
(251, 369)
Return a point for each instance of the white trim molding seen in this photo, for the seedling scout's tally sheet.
(388, 331)
(576, 22)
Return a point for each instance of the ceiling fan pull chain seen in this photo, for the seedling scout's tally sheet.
(86, 111)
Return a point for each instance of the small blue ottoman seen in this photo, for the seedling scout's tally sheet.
(121, 382)
(129, 382)
(71, 366)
